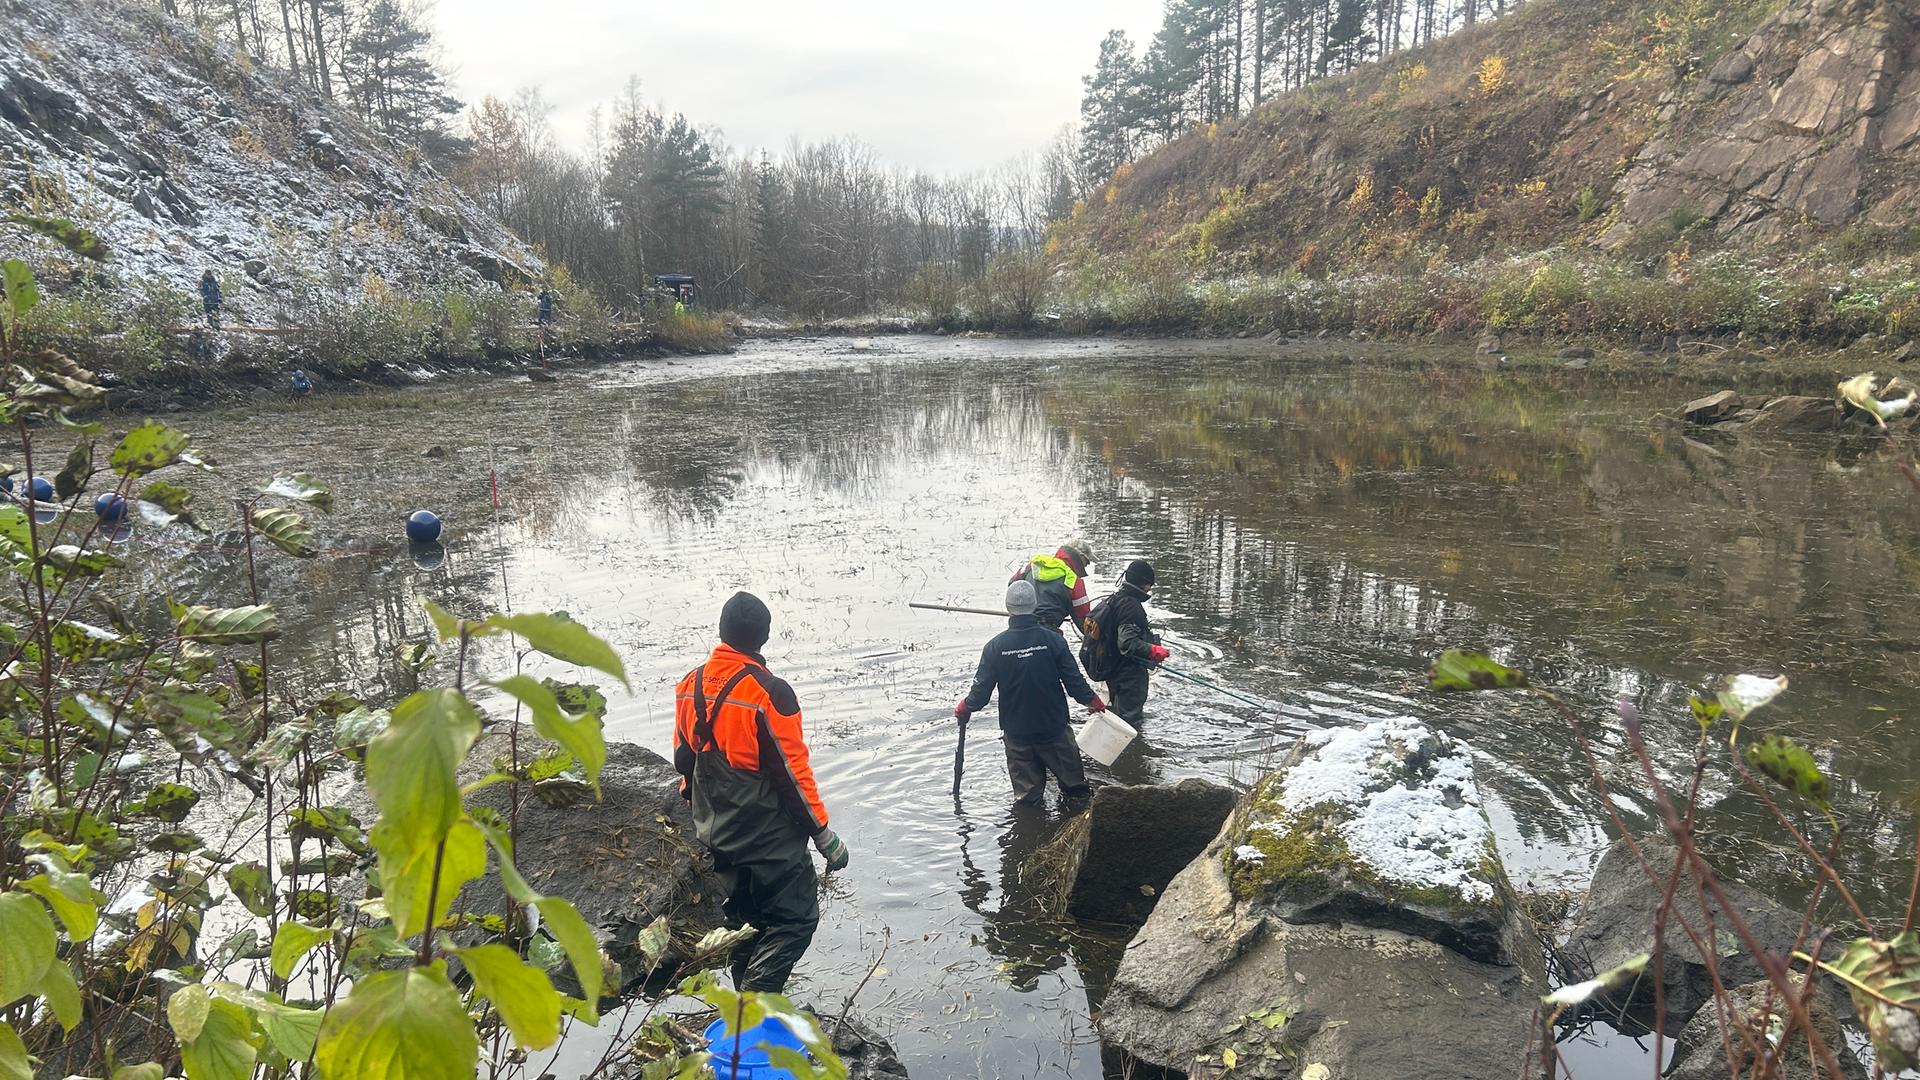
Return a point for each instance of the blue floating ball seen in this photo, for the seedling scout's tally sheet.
(111, 508)
(6, 484)
(423, 527)
(42, 489)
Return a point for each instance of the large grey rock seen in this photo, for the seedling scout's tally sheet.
(1700, 1051)
(1238, 955)
(1615, 924)
(1379, 825)
(623, 861)
(1112, 865)
(1713, 408)
(1796, 414)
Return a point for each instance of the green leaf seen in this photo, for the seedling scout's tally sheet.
(510, 878)
(14, 1062)
(580, 735)
(14, 527)
(292, 1030)
(651, 943)
(71, 896)
(357, 727)
(149, 447)
(1456, 670)
(408, 865)
(248, 880)
(151, 1070)
(227, 626)
(293, 940)
(563, 639)
(62, 995)
(80, 241)
(78, 641)
(72, 478)
(304, 488)
(564, 922)
(401, 1025)
(1883, 979)
(21, 292)
(174, 502)
(1788, 764)
(167, 802)
(411, 765)
(27, 943)
(226, 1047)
(287, 530)
(523, 995)
(187, 1011)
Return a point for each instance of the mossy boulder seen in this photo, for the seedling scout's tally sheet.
(1381, 826)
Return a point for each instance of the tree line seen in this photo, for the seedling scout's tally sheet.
(1214, 59)
(823, 228)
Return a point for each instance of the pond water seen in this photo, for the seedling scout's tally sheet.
(1323, 523)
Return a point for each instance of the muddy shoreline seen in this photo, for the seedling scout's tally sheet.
(1792, 366)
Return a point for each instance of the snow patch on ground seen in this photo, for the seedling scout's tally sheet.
(1427, 830)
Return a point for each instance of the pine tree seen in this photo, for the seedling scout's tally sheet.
(1110, 110)
(399, 87)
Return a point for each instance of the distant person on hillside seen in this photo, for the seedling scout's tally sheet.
(210, 298)
(546, 307)
(302, 386)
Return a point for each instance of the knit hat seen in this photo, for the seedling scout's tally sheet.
(1080, 550)
(1021, 599)
(1140, 574)
(745, 622)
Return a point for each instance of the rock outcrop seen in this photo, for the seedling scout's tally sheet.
(1352, 906)
(1615, 924)
(623, 861)
(1815, 116)
(1700, 1052)
(1112, 864)
(184, 156)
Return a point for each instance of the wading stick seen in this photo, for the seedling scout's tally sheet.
(961, 610)
(959, 758)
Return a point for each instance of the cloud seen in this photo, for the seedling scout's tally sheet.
(945, 87)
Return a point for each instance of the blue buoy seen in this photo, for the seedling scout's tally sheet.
(111, 508)
(754, 1061)
(6, 484)
(423, 527)
(42, 489)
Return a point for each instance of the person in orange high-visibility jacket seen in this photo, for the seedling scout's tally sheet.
(743, 766)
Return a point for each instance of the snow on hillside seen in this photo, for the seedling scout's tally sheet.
(185, 156)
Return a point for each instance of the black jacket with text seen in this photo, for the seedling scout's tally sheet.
(1035, 672)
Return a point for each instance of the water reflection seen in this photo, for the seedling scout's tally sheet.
(1319, 535)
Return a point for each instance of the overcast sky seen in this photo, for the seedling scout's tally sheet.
(944, 86)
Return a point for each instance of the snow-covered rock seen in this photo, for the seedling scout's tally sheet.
(1352, 906)
(185, 156)
(1379, 825)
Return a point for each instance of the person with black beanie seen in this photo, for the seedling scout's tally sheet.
(743, 764)
(1120, 645)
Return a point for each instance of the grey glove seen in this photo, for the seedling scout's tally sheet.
(829, 845)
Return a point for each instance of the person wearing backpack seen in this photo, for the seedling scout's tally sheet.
(1120, 647)
(1034, 672)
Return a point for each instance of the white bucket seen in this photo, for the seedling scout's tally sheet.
(1103, 737)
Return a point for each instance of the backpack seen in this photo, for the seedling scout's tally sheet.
(1098, 652)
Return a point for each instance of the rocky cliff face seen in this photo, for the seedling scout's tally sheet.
(1561, 124)
(1814, 117)
(184, 157)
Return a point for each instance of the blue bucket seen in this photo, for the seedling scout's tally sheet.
(754, 1062)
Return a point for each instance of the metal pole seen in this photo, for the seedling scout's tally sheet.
(960, 610)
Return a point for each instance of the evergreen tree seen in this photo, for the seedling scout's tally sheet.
(1110, 108)
(398, 86)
